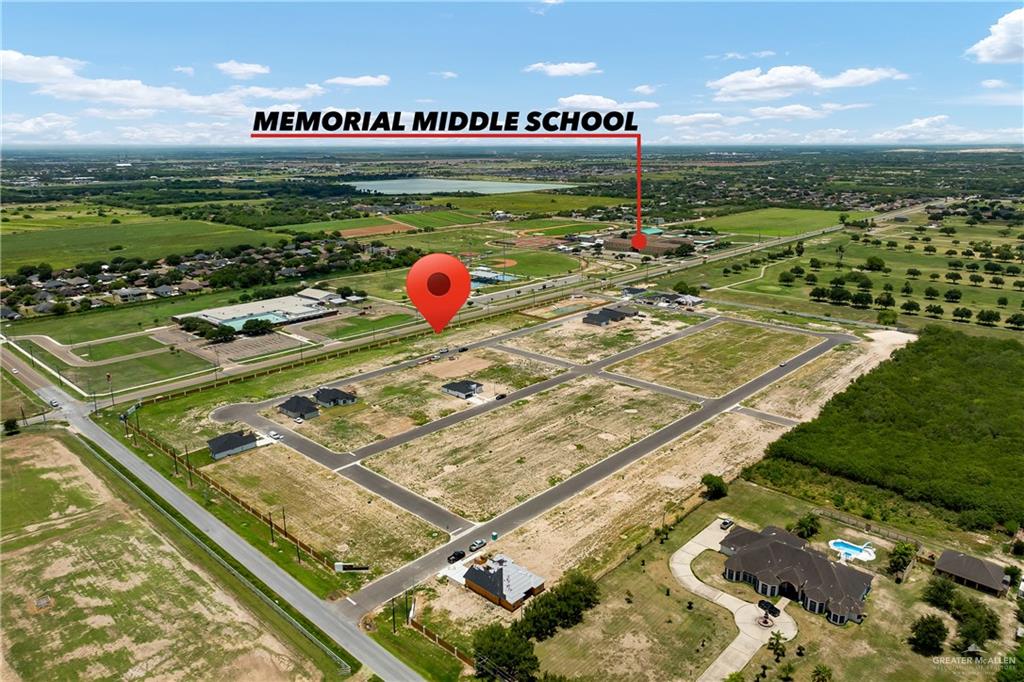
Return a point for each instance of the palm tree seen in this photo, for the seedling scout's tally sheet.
(775, 641)
(821, 673)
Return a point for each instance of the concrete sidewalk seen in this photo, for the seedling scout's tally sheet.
(751, 636)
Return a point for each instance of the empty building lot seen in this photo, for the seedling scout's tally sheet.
(325, 510)
(396, 402)
(718, 359)
(478, 470)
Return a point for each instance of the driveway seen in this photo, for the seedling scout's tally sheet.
(751, 636)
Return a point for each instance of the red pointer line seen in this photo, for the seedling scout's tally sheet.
(626, 136)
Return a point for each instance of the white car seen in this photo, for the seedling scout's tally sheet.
(299, 420)
(54, 403)
(14, 370)
(275, 435)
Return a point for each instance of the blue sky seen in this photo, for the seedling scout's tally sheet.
(724, 73)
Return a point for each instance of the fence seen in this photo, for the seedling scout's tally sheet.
(182, 459)
(867, 526)
(441, 642)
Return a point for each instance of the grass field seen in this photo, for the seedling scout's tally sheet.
(339, 225)
(717, 360)
(528, 202)
(115, 349)
(57, 216)
(534, 263)
(777, 222)
(471, 239)
(437, 219)
(123, 374)
(155, 238)
(431, 661)
(538, 224)
(479, 472)
(573, 228)
(351, 326)
(119, 597)
(326, 510)
(17, 399)
(117, 320)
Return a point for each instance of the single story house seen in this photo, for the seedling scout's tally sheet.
(231, 443)
(299, 406)
(598, 319)
(131, 294)
(970, 571)
(604, 316)
(778, 563)
(462, 389)
(329, 397)
(501, 581)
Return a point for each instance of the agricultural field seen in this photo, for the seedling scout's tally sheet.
(527, 202)
(90, 589)
(329, 512)
(17, 399)
(480, 472)
(583, 343)
(437, 219)
(123, 374)
(718, 359)
(155, 238)
(115, 349)
(55, 216)
(777, 222)
(399, 401)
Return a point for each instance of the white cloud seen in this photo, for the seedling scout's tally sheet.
(45, 123)
(992, 83)
(728, 56)
(119, 114)
(361, 81)
(1004, 43)
(784, 81)
(24, 68)
(701, 119)
(597, 102)
(565, 68)
(645, 89)
(187, 70)
(802, 111)
(444, 75)
(1003, 98)
(241, 70)
(938, 130)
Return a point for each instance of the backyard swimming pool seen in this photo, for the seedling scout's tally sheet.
(848, 550)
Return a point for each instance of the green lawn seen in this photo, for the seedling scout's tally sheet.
(538, 224)
(529, 202)
(123, 374)
(336, 225)
(413, 649)
(353, 326)
(776, 222)
(437, 219)
(573, 228)
(152, 239)
(17, 399)
(115, 349)
(535, 263)
(57, 216)
(458, 240)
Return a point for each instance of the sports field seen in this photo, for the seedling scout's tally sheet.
(528, 202)
(533, 263)
(95, 352)
(480, 470)
(777, 222)
(155, 238)
(437, 219)
(718, 359)
(92, 591)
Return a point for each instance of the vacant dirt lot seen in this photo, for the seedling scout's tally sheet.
(717, 360)
(90, 591)
(803, 393)
(479, 469)
(402, 400)
(329, 512)
(565, 306)
(584, 343)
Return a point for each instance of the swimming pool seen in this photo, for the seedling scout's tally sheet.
(848, 550)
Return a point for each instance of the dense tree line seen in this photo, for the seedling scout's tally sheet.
(941, 422)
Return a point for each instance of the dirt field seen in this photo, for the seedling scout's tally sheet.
(718, 359)
(329, 512)
(802, 394)
(90, 591)
(584, 343)
(383, 228)
(402, 400)
(485, 465)
(565, 306)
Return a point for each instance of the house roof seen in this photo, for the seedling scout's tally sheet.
(299, 404)
(333, 395)
(464, 386)
(230, 441)
(503, 578)
(775, 556)
(971, 568)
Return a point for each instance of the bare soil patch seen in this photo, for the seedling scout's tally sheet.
(583, 343)
(480, 469)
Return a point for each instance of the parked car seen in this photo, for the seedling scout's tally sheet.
(463, 349)
(435, 356)
(14, 370)
(457, 555)
(299, 420)
(783, 363)
(477, 544)
(500, 396)
(443, 351)
(54, 403)
(726, 523)
(275, 435)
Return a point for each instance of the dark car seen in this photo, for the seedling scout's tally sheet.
(457, 555)
(768, 607)
(500, 396)
(463, 349)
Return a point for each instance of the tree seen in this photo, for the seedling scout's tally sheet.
(910, 307)
(901, 556)
(997, 281)
(820, 293)
(976, 279)
(800, 248)
(786, 671)
(935, 310)
(861, 299)
(954, 277)
(821, 673)
(787, 278)
(810, 278)
(874, 263)
(913, 273)
(1016, 321)
(734, 677)
(775, 641)
(988, 317)
(939, 592)
(885, 300)
(906, 289)
(715, 486)
(10, 426)
(256, 327)
(500, 652)
(931, 293)
(952, 295)
(807, 525)
(927, 635)
(962, 314)
(839, 295)
(1002, 301)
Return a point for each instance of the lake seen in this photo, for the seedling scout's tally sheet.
(438, 186)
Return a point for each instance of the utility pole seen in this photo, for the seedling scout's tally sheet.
(23, 415)
(284, 521)
(110, 387)
(188, 468)
(270, 514)
(394, 626)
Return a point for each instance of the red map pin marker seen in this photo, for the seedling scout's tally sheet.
(438, 285)
(639, 241)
